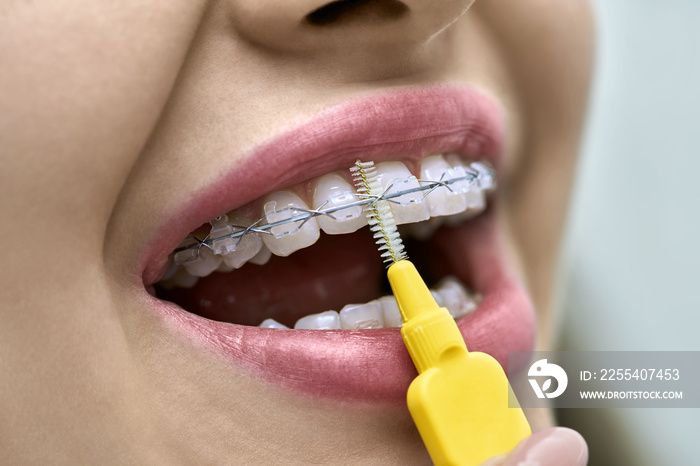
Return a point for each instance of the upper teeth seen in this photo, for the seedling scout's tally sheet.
(290, 224)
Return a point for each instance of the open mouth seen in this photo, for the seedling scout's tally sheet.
(289, 283)
(225, 271)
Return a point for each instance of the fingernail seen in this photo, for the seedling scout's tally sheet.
(551, 447)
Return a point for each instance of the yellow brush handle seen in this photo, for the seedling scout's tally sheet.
(459, 401)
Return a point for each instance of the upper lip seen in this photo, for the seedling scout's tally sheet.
(404, 125)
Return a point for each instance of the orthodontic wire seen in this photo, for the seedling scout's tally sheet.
(307, 214)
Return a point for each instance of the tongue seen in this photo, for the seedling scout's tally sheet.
(336, 271)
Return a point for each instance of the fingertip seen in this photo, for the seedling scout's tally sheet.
(550, 447)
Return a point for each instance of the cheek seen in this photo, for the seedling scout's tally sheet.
(548, 48)
(79, 118)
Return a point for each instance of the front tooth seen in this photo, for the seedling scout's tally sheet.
(410, 207)
(329, 320)
(205, 264)
(245, 247)
(271, 323)
(361, 316)
(455, 297)
(390, 312)
(442, 200)
(333, 191)
(290, 236)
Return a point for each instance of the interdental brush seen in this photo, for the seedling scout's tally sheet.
(460, 399)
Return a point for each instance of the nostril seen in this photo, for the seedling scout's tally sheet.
(346, 11)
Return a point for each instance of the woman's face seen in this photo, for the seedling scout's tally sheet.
(127, 126)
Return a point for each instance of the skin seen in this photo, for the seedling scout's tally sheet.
(109, 107)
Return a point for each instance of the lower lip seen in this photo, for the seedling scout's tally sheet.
(373, 365)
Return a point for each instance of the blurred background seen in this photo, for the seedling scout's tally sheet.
(631, 262)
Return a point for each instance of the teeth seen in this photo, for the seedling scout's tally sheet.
(409, 208)
(361, 316)
(442, 200)
(271, 323)
(419, 212)
(390, 312)
(329, 320)
(384, 312)
(333, 191)
(291, 236)
(205, 264)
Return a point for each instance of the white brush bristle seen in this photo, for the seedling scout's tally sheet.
(379, 217)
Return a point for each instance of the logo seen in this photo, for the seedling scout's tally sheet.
(541, 369)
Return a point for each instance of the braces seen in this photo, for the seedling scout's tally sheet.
(191, 252)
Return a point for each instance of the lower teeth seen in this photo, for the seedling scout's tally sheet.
(384, 312)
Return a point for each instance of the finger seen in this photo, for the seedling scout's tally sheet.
(550, 447)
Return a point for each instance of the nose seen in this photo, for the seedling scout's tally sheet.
(315, 25)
